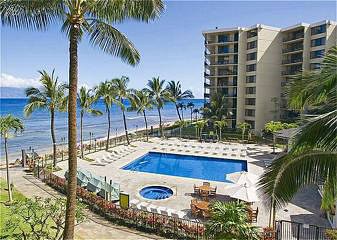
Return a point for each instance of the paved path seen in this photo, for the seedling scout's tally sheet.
(95, 227)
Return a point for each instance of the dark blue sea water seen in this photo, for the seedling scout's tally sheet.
(37, 127)
(205, 168)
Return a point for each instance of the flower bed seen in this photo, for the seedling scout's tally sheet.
(151, 222)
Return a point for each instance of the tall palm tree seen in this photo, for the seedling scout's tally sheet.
(182, 107)
(51, 96)
(120, 87)
(86, 101)
(140, 102)
(216, 110)
(190, 105)
(313, 156)
(78, 17)
(105, 91)
(176, 94)
(159, 94)
(7, 125)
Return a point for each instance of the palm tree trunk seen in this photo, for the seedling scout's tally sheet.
(109, 126)
(7, 170)
(82, 135)
(52, 130)
(147, 135)
(178, 111)
(72, 164)
(125, 128)
(191, 114)
(160, 124)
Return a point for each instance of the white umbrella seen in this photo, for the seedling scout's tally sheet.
(243, 192)
(242, 178)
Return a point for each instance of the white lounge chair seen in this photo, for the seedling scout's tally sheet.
(99, 161)
(178, 214)
(162, 210)
(153, 208)
(142, 206)
(133, 203)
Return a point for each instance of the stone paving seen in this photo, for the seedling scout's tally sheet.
(95, 227)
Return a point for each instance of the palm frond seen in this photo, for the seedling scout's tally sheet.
(113, 42)
(10, 123)
(31, 14)
(34, 104)
(289, 173)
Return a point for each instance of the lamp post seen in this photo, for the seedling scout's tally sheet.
(95, 144)
(116, 137)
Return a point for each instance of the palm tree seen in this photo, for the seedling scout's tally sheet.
(220, 124)
(216, 110)
(313, 156)
(140, 102)
(8, 124)
(230, 221)
(50, 97)
(196, 111)
(105, 91)
(199, 125)
(78, 17)
(243, 126)
(190, 105)
(182, 107)
(176, 94)
(85, 101)
(120, 86)
(159, 94)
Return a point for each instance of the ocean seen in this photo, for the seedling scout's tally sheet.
(37, 135)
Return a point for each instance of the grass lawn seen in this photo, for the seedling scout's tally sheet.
(4, 211)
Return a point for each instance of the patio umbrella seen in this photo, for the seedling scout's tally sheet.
(243, 192)
(242, 178)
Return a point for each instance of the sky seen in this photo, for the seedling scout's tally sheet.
(171, 47)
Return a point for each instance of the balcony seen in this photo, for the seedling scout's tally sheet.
(230, 95)
(294, 37)
(220, 74)
(207, 85)
(289, 73)
(292, 49)
(218, 63)
(220, 41)
(292, 61)
(206, 95)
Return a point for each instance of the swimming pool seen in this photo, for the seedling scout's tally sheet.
(205, 168)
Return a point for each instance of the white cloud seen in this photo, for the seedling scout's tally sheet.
(8, 80)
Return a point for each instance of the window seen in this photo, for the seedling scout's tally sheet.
(250, 101)
(251, 67)
(315, 66)
(318, 42)
(251, 79)
(251, 56)
(252, 33)
(251, 123)
(250, 112)
(317, 54)
(223, 38)
(251, 45)
(250, 90)
(318, 29)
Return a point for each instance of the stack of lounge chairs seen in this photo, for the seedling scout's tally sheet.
(113, 155)
(97, 184)
(156, 209)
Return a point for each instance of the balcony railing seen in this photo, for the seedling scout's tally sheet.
(286, 73)
(206, 95)
(227, 40)
(293, 37)
(206, 85)
(289, 61)
(220, 74)
(221, 63)
(292, 49)
(227, 50)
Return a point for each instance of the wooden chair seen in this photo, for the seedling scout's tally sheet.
(255, 213)
(195, 211)
(196, 190)
(206, 183)
(204, 194)
(213, 192)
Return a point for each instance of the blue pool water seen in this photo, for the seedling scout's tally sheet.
(206, 168)
(156, 192)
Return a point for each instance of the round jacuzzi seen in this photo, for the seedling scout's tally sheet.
(156, 192)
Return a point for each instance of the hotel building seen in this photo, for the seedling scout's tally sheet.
(250, 66)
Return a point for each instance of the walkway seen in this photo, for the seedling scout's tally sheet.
(95, 227)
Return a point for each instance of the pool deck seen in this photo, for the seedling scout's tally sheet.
(304, 208)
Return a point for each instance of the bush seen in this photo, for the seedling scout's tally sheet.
(39, 218)
(331, 234)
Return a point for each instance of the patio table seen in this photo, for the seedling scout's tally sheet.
(202, 205)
